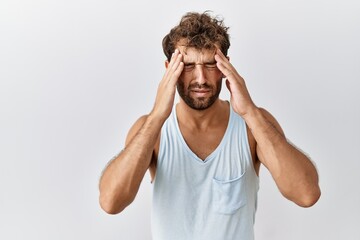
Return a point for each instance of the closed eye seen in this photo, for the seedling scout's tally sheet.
(189, 67)
(210, 66)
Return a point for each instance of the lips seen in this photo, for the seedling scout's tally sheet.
(200, 92)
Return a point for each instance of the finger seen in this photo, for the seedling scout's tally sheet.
(219, 56)
(173, 61)
(220, 53)
(228, 85)
(177, 70)
(222, 58)
(173, 57)
(176, 62)
(225, 70)
(173, 70)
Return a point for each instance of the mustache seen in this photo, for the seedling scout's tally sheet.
(199, 86)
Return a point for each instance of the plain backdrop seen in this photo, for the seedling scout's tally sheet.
(75, 75)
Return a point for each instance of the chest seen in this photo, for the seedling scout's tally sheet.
(203, 143)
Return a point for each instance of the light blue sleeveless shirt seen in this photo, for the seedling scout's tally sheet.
(214, 199)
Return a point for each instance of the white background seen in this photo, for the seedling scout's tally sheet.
(75, 75)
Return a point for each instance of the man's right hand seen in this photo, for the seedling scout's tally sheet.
(167, 87)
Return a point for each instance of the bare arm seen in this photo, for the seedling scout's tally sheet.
(121, 179)
(293, 172)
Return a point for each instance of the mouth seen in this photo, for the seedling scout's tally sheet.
(200, 92)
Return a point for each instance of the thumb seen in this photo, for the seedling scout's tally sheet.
(228, 85)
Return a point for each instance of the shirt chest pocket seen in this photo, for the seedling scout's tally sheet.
(230, 195)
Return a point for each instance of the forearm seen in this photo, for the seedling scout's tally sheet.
(121, 179)
(293, 172)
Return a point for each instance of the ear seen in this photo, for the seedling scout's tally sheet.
(166, 64)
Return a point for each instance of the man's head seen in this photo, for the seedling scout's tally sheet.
(197, 37)
(199, 31)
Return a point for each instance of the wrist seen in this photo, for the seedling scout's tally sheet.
(156, 120)
(251, 112)
(252, 115)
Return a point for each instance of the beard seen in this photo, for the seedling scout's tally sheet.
(199, 103)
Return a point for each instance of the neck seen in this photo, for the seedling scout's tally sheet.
(202, 119)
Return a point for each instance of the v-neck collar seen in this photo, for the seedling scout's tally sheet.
(217, 149)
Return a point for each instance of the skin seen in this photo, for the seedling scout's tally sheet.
(293, 172)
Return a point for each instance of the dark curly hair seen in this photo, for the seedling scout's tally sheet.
(198, 30)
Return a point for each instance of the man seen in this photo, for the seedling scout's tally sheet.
(204, 153)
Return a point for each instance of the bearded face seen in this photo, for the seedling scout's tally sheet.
(199, 96)
(200, 82)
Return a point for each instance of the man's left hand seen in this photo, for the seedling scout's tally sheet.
(240, 97)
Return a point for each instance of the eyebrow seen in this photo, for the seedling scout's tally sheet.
(206, 62)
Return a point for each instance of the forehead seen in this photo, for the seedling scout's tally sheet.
(191, 54)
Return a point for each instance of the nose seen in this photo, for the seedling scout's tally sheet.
(200, 75)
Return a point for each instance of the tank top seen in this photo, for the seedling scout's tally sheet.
(211, 199)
